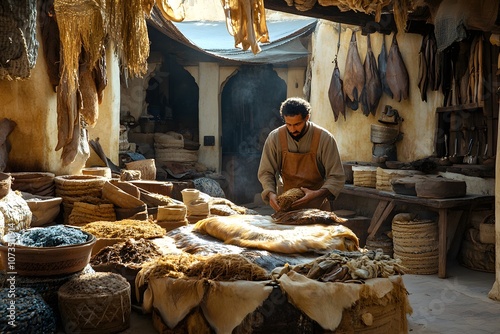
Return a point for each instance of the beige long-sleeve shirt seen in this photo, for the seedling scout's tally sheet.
(328, 159)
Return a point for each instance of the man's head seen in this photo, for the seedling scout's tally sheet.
(295, 113)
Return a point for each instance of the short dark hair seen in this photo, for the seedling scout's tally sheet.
(295, 106)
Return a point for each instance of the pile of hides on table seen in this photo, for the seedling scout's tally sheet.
(243, 260)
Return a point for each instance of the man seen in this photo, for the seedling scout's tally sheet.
(303, 155)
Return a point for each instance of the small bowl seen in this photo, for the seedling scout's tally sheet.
(46, 261)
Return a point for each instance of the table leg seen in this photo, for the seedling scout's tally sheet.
(442, 247)
(378, 219)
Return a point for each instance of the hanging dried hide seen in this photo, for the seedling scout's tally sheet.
(372, 91)
(397, 74)
(423, 79)
(246, 22)
(382, 69)
(18, 43)
(172, 10)
(336, 93)
(51, 41)
(99, 74)
(88, 98)
(354, 76)
(128, 31)
(81, 26)
(66, 114)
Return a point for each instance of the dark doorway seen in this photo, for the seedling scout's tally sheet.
(250, 110)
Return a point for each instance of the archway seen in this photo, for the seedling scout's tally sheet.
(250, 104)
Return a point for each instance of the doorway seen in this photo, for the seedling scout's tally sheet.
(250, 103)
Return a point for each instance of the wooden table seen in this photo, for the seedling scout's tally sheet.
(445, 208)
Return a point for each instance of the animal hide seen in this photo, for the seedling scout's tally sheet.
(226, 304)
(315, 298)
(307, 216)
(354, 76)
(397, 74)
(307, 294)
(382, 69)
(88, 98)
(286, 199)
(372, 91)
(173, 298)
(336, 93)
(50, 41)
(255, 231)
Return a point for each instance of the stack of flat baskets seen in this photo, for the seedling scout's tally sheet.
(415, 242)
(78, 188)
(365, 176)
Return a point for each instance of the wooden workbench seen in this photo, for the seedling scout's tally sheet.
(449, 211)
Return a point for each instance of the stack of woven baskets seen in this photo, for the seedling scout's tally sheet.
(364, 176)
(415, 242)
(385, 177)
(80, 188)
(170, 147)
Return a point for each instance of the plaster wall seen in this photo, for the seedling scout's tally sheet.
(353, 133)
(32, 104)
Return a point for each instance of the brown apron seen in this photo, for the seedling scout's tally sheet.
(301, 169)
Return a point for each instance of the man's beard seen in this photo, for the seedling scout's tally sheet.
(298, 135)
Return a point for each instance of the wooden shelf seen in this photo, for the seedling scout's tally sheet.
(470, 107)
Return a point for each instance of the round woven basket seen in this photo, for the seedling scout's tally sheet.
(147, 167)
(381, 134)
(416, 244)
(95, 303)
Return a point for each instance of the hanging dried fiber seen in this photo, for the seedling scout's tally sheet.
(172, 10)
(81, 24)
(50, 41)
(129, 32)
(246, 22)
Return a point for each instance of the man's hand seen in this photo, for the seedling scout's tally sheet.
(309, 196)
(273, 202)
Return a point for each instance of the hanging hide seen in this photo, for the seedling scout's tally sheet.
(382, 69)
(423, 71)
(88, 98)
(99, 74)
(336, 93)
(354, 76)
(50, 41)
(397, 74)
(372, 91)
(66, 114)
(171, 10)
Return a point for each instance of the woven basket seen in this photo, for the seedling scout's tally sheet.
(147, 168)
(487, 230)
(382, 242)
(385, 177)
(95, 303)
(416, 244)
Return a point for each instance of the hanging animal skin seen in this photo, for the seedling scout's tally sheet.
(372, 91)
(336, 93)
(354, 77)
(397, 74)
(382, 68)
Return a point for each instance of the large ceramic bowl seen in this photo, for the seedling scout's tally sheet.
(46, 261)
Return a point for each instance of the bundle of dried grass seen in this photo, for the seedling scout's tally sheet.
(228, 267)
(286, 199)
